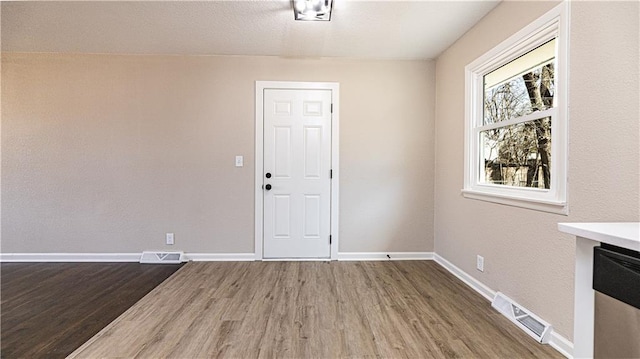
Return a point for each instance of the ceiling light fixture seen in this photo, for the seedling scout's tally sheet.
(312, 10)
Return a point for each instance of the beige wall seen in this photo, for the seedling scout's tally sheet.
(107, 153)
(525, 255)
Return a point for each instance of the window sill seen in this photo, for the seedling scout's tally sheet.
(557, 207)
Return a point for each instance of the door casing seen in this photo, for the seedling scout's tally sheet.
(259, 158)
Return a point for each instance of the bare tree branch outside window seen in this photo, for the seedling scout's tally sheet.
(519, 155)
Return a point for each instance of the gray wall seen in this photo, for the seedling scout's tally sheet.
(106, 153)
(525, 255)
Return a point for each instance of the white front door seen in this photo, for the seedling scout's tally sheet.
(296, 178)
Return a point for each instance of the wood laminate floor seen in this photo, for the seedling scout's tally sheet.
(408, 309)
(50, 309)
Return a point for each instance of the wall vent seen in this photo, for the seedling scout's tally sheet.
(523, 318)
(162, 257)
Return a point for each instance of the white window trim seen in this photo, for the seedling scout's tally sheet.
(553, 24)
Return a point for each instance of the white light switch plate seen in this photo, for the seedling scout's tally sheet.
(239, 161)
(169, 238)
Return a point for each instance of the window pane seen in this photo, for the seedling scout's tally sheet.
(522, 86)
(518, 155)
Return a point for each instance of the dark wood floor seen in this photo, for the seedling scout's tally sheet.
(50, 309)
(406, 309)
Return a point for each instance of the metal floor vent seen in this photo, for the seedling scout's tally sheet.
(527, 321)
(162, 257)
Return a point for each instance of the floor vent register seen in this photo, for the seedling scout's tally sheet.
(524, 319)
(162, 257)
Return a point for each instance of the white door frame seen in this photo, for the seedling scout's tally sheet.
(259, 162)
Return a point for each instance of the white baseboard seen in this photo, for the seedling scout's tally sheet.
(115, 257)
(382, 256)
(135, 257)
(295, 259)
(557, 341)
(220, 257)
(70, 257)
(561, 344)
(475, 284)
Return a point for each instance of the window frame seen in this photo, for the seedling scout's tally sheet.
(553, 24)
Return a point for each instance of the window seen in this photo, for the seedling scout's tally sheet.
(516, 118)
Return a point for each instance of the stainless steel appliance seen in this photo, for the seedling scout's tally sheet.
(616, 280)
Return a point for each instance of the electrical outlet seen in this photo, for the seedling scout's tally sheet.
(239, 161)
(169, 238)
(480, 263)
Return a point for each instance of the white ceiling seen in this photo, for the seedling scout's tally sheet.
(358, 29)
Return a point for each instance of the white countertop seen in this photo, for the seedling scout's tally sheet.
(621, 234)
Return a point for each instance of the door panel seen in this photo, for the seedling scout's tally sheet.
(312, 152)
(282, 216)
(282, 148)
(297, 152)
(312, 220)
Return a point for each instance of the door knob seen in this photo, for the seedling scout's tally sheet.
(268, 175)
(267, 187)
